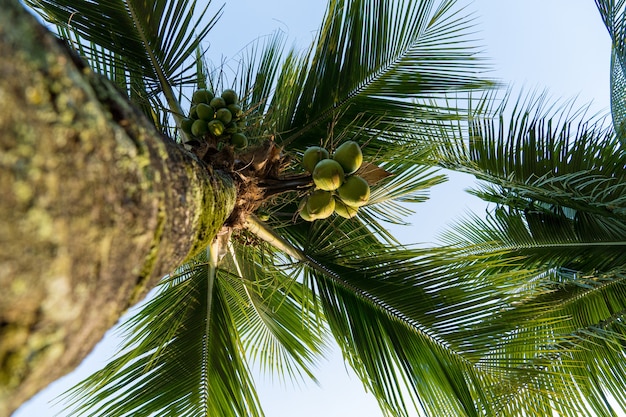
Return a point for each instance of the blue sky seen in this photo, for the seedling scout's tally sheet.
(556, 44)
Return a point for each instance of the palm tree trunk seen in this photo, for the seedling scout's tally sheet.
(96, 206)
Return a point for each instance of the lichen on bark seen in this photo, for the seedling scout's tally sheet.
(96, 207)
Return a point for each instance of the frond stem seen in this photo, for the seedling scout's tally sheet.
(212, 252)
(548, 196)
(260, 229)
(175, 107)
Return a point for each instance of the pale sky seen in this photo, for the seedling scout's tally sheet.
(556, 44)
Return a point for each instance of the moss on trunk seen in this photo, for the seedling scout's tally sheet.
(96, 206)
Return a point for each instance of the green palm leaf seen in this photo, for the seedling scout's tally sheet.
(180, 358)
(370, 60)
(279, 324)
(186, 350)
(153, 40)
(541, 155)
(402, 315)
(555, 278)
(618, 95)
(555, 243)
(262, 66)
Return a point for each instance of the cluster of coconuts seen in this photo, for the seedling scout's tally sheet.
(337, 189)
(218, 116)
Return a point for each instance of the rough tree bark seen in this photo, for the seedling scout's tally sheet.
(96, 206)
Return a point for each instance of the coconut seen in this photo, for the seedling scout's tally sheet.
(205, 112)
(355, 191)
(328, 175)
(235, 109)
(218, 103)
(192, 112)
(224, 115)
(312, 156)
(345, 210)
(320, 204)
(230, 96)
(216, 127)
(349, 156)
(186, 124)
(199, 127)
(202, 96)
(304, 211)
(239, 140)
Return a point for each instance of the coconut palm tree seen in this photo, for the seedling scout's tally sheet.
(488, 325)
(279, 294)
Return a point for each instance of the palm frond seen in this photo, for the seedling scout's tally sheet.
(172, 361)
(175, 361)
(579, 311)
(371, 59)
(543, 236)
(260, 69)
(555, 244)
(618, 95)
(403, 316)
(279, 324)
(152, 40)
(541, 155)
(409, 185)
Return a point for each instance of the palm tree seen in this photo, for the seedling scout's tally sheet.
(488, 325)
(298, 100)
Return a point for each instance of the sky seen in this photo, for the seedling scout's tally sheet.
(559, 45)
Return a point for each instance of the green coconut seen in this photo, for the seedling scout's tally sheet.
(312, 156)
(224, 115)
(235, 109)
(349, 156)
(320, 204)
(218, 103)
(355, 191)
(239, 140)
(344, 210)
(193, 114)
(328, 175)
(230, 96)
(303, 210)
(199, 127)
(216, 127)
(186, 124)
(202, 96)
(205, 112)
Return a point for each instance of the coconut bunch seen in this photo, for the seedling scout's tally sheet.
(337, 188)
(220, 117)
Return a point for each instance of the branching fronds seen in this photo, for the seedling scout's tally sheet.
(154, 41)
